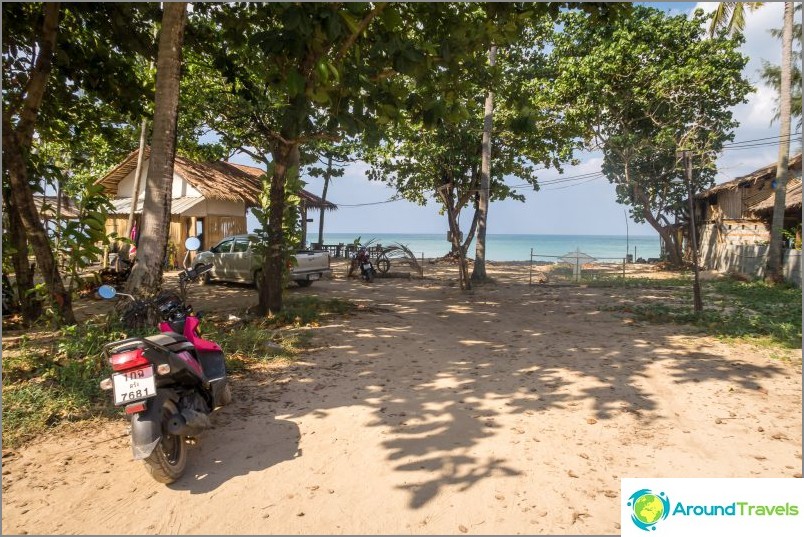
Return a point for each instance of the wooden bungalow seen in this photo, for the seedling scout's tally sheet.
(210, 199)
(734, 217)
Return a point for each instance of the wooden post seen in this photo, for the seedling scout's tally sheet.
(193, 233)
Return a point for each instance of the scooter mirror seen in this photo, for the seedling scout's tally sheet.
(107, 291)
(192, 244)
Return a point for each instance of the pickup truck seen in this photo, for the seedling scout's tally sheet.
(232, 260)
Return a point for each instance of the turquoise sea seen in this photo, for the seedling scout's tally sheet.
(516, 247)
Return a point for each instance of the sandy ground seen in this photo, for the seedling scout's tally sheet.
(508, 409)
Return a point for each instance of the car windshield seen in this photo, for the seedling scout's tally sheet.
(222, 247)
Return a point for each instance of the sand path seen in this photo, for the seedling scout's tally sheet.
(512, 409)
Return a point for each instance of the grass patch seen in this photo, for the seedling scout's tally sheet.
(53, 377)
(754, 312)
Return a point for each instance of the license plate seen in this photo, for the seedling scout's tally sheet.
(134, 385)
(366, 266)
(313, 276)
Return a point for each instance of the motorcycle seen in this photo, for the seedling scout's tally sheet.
(168, 383)
(363, 261)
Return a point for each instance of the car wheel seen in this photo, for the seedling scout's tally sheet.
(206, 278)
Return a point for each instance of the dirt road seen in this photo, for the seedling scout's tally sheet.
(512, 409)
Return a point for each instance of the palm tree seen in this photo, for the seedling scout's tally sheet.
(773, 270)
(731, 17)
(146, 277)
(479, 271)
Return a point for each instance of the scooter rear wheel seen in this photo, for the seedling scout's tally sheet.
(167, 461)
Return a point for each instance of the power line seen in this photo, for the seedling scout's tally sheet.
(761, 139)
(575, 184)
(390, 200)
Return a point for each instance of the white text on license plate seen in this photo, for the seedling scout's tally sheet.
(134, 385)
(312, 276)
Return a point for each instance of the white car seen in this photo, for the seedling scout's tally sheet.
(232, 260)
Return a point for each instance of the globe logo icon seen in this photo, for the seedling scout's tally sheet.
(648, 508)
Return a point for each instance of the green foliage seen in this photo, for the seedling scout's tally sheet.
(80, 239)
(51, 379)
(646, 86)
(755, 312)
(772, 74)
(56, 380)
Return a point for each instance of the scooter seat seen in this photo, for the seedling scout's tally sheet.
(167, 339)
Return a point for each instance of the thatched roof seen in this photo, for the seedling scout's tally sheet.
(768, 173)
(792, 199)
(215, 180)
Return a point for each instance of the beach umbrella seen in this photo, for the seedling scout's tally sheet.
(576, 259)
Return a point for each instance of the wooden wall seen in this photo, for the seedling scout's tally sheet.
(734, 204)
(215, 228)
(218, 227)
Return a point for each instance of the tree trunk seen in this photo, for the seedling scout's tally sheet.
(773, 272)
(327, 176)
(146, 276)
(455, 230)
(286, 158)
(30, 306)
(135, 192)
(34, 228)
(479, 271)
(670, 239)
(17, 142)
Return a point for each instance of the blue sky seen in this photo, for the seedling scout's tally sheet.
(585, 208)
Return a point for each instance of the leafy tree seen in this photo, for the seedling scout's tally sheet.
(436, 148)
(69, 81)
(280, 77)
(647, 86)
(20, 113)
(146, 276)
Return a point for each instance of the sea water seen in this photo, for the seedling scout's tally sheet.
(517, 247)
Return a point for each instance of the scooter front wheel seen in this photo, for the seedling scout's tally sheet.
(167, 461)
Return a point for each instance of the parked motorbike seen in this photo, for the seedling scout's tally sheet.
(363, 261)
(168, 383)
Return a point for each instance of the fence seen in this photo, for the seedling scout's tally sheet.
(553, 268)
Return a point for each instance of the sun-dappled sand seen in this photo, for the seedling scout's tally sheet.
(511, 408)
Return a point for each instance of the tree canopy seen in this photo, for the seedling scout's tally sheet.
(645, 87)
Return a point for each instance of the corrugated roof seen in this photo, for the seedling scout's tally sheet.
(766, 173)
(47, 207)
(792, 199)
(177, 205)
(215, 180)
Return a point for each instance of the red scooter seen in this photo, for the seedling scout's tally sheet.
(168, 383)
